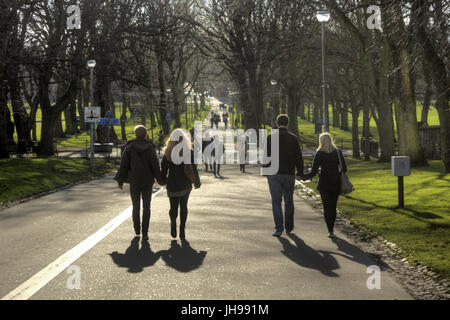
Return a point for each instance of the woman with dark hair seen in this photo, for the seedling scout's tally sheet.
(180, 171)
(331, 162)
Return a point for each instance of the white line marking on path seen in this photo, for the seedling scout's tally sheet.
(40, 279)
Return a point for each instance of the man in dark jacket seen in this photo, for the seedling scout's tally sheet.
(140, 167)
(282, 183)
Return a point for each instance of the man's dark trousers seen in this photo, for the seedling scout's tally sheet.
(137, 192)
(282, 186)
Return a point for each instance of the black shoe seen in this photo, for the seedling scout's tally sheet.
(145, 237)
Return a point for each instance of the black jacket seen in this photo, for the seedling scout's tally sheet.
(177, 180)
(329, 176)
(139, 165)
(290, 153)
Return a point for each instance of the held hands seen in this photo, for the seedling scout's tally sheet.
(162, 182)
(120, 186)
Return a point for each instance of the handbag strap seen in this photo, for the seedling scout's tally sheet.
(339, 159)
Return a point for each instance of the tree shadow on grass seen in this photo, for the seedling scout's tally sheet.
(419, 215)
(135, 259)
(307, 257)
(183, 258)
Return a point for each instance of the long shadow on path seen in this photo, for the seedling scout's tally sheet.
(307, 257)
(183, 258)
(135, 259)
(355, 254)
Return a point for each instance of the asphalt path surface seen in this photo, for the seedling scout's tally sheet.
(229, 252)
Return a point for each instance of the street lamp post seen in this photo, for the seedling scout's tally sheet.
(274, 98)
(186, 98)
(324, 16)
(168, 90)
(91, 64)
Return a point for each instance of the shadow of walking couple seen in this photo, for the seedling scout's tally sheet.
(182, 257)
(321, 260)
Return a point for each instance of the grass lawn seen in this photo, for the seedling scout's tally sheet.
(422, 228)
(21, 178)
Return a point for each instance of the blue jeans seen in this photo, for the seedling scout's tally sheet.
(282, 186)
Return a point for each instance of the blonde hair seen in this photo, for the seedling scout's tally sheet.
(326, 143)
(172, 142)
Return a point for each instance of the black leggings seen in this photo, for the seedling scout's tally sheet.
(329, 200)
(181, 202)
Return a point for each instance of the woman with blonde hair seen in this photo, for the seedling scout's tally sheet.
(180, 171)
(328, 158)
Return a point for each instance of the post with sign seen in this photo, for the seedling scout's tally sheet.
(400, 169)
(92, 115)
(91, 65)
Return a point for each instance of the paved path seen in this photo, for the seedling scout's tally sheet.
(230, 253)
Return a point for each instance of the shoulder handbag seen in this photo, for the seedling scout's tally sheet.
(346, 185)
(189, 172)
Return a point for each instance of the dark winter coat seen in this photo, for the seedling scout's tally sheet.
(329, 175)
(290, 152)
(177, 180)
(139, 165)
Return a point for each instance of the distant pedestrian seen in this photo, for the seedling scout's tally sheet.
(225, 119)
(180, 179)
(207, 156)
(212, 119)
(236, 122)
(242, 152)
(282, 184)
(327, 158)
(217, 154)
(216, 120)
(140, 167)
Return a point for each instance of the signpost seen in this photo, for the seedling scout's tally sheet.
(400, 169)
(108, 122)
(92, 115)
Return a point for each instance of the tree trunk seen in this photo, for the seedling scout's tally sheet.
(68, 118)
(4, 154)
(385, 123)
(123, 118)
(444, 120)
(301, 110)
(81, 104)
(58, 127)
(19, 111)
(427, 94)
(440, 77)
(344, 117)
(409, 140)
(355, 132)
(163, 107)
(293, 100)
(49, 119)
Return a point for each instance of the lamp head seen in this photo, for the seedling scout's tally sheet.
(91, 63)
(323, 16)
(273, 82)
